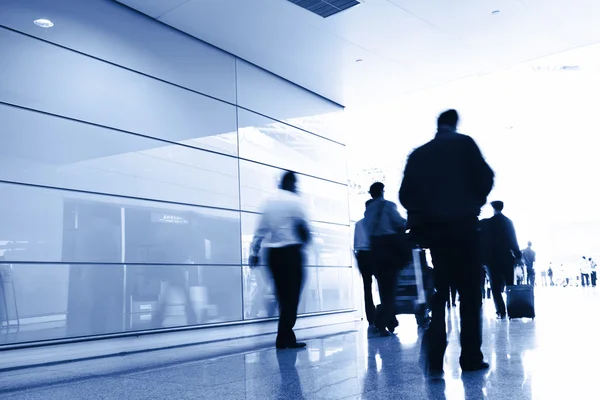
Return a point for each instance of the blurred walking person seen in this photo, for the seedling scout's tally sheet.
(283, 227)
(446, 182)
(529, 260)
(365, 266)
(501, 252)
(385, 225)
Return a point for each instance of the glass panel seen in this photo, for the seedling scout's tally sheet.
(336, 288)
(53, 225)
(325, 201)
(268, 94)
(260, 298)
(59, 301)
(268, 141)
(74, 155)
(130, 39)
(62, 82)
(330, 246)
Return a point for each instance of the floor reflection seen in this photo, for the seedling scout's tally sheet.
(550, 358)
(290, 386)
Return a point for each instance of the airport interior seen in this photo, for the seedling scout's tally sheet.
(140, 141)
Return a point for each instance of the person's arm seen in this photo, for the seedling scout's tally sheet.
(481, 173)
(302, 225)
(358, 227)
(512, 237)
(409, 189)
(259, 235)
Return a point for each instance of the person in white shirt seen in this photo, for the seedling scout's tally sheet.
(365, 265)
(283, 229)
(585, 270)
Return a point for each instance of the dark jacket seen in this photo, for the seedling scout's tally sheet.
(445, 180)
(499, 241)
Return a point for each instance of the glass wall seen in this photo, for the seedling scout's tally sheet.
(132, 174)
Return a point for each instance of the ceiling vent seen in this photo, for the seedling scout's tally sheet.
(325, 8)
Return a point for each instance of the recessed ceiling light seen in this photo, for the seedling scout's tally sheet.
(44, 23)
(495, 12)
(359, 60)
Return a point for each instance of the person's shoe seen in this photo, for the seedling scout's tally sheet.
(384, 333)
(475, 367)
(434, 374)
(297, 345)
(501, 316)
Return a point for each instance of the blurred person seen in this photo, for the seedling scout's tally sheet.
(544, 278)
(551, 275)
(529, 260)
(446, 182)
(385, 225)
(520, 274)
(564, 276)
(593, 275)
(500, 252)
(585, 270)
(365, 265)
(283, 226)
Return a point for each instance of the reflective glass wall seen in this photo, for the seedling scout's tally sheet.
(133, 163)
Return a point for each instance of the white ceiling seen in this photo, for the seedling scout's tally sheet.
(406, 45)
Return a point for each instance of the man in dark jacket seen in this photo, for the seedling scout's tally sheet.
(446, 182)
(500, 251)
(384, 224)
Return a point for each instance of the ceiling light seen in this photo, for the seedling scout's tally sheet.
(44, 23)
(359, 60)
(495, 12)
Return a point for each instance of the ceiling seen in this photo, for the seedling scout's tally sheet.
(404, 45)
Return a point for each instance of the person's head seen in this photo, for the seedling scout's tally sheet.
(368, 202)
(288, 182)
(376, 190)
(590, 259)
(498, 206)
(529, 244)
(448, 120)
(584, 257)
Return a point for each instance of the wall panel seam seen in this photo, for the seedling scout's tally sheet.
(116, 65)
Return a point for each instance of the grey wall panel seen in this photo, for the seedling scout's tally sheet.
(46, 225)
(265, 93)
(129, 39)
(84, 300)
(325, 201)
(46, 150)
(43, 77)
(265, 140)
(330, 245)
(325, 289)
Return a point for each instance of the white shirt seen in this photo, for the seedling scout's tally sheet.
(361, 239)
(278, 223)
(585, 266)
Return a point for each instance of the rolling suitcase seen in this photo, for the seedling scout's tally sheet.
(520, 301)
(414, 288)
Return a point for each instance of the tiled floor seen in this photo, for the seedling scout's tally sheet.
(553, 357)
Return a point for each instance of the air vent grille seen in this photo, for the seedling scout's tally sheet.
(325, 8)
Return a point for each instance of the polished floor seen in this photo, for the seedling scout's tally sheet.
(553, 357)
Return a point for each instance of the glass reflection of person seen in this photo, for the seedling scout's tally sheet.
(283, 228)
